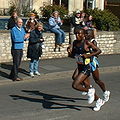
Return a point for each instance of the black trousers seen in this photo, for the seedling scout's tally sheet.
(17, 56)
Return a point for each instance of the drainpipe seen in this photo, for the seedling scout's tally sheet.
(102, 5)
(60, 2)
(51, 2)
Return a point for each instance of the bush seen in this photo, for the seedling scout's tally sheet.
(104, 20)
(48, 10)
(12, 9)
(25, 10)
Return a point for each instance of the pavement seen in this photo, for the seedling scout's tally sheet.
(62, 67)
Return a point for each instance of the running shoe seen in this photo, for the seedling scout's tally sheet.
(84, 93)
(99, 104)
(91, 95)
(106, 95)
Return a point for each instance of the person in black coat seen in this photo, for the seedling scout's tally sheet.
(77, 21)
(12, 20)
(35, 49)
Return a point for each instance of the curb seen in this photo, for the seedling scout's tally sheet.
(58, 75)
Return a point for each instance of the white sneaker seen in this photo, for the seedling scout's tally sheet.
(91, 95)
(91, 86)
(37, 73)
(84, 93)
(31, 74)
(106, 95)
(99, 104)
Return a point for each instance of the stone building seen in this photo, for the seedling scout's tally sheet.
(71, 5)
(4, 5)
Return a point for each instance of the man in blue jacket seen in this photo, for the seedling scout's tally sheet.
(18, 36)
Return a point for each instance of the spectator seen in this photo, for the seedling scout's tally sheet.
(76, 22)
(89, 24)
(18, 36)
(83, 15)
(55, 23)
(35, 49)
(30, 23)
(12, 20)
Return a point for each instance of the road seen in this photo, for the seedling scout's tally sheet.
(54, 99)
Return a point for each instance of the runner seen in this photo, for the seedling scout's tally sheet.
(94, 66)
(81, 51)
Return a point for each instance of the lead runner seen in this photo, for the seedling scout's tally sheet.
(81, 50)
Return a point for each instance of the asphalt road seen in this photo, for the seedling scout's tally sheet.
(107, 63)
(54, 99)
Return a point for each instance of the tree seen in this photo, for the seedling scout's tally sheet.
(21, 6)
(16, 5)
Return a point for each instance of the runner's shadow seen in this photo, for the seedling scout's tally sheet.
(49, 101)
(52, 97)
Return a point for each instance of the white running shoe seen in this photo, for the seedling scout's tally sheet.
(91, 86)
(37, 73)
(31, 74)
(106, 95)
(99, 104)
(84, 93)
(91, 95)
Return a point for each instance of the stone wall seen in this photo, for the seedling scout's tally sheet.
(48, 52)
(109, 43)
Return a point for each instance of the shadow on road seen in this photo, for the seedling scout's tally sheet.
(7, 66)
(48, 101)
(3, 74)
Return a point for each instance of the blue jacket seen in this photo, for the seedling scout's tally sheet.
(55, 22)
(17, 37)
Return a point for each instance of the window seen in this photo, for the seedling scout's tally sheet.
(89, 4)
(60, 2)
(56, 2)
(64, 3)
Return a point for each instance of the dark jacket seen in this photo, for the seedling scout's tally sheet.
(76, 24)
(34, 46)
(11, 23)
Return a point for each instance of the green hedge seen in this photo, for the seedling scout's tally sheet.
(48, 10)
(104, 20)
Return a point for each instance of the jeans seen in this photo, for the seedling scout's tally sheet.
(17, 56)
(33, 66)
(59, 35)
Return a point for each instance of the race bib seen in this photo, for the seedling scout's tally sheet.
(87, 60)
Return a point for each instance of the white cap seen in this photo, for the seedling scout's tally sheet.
(78, 12)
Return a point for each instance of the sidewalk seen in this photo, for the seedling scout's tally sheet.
(109, 63)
